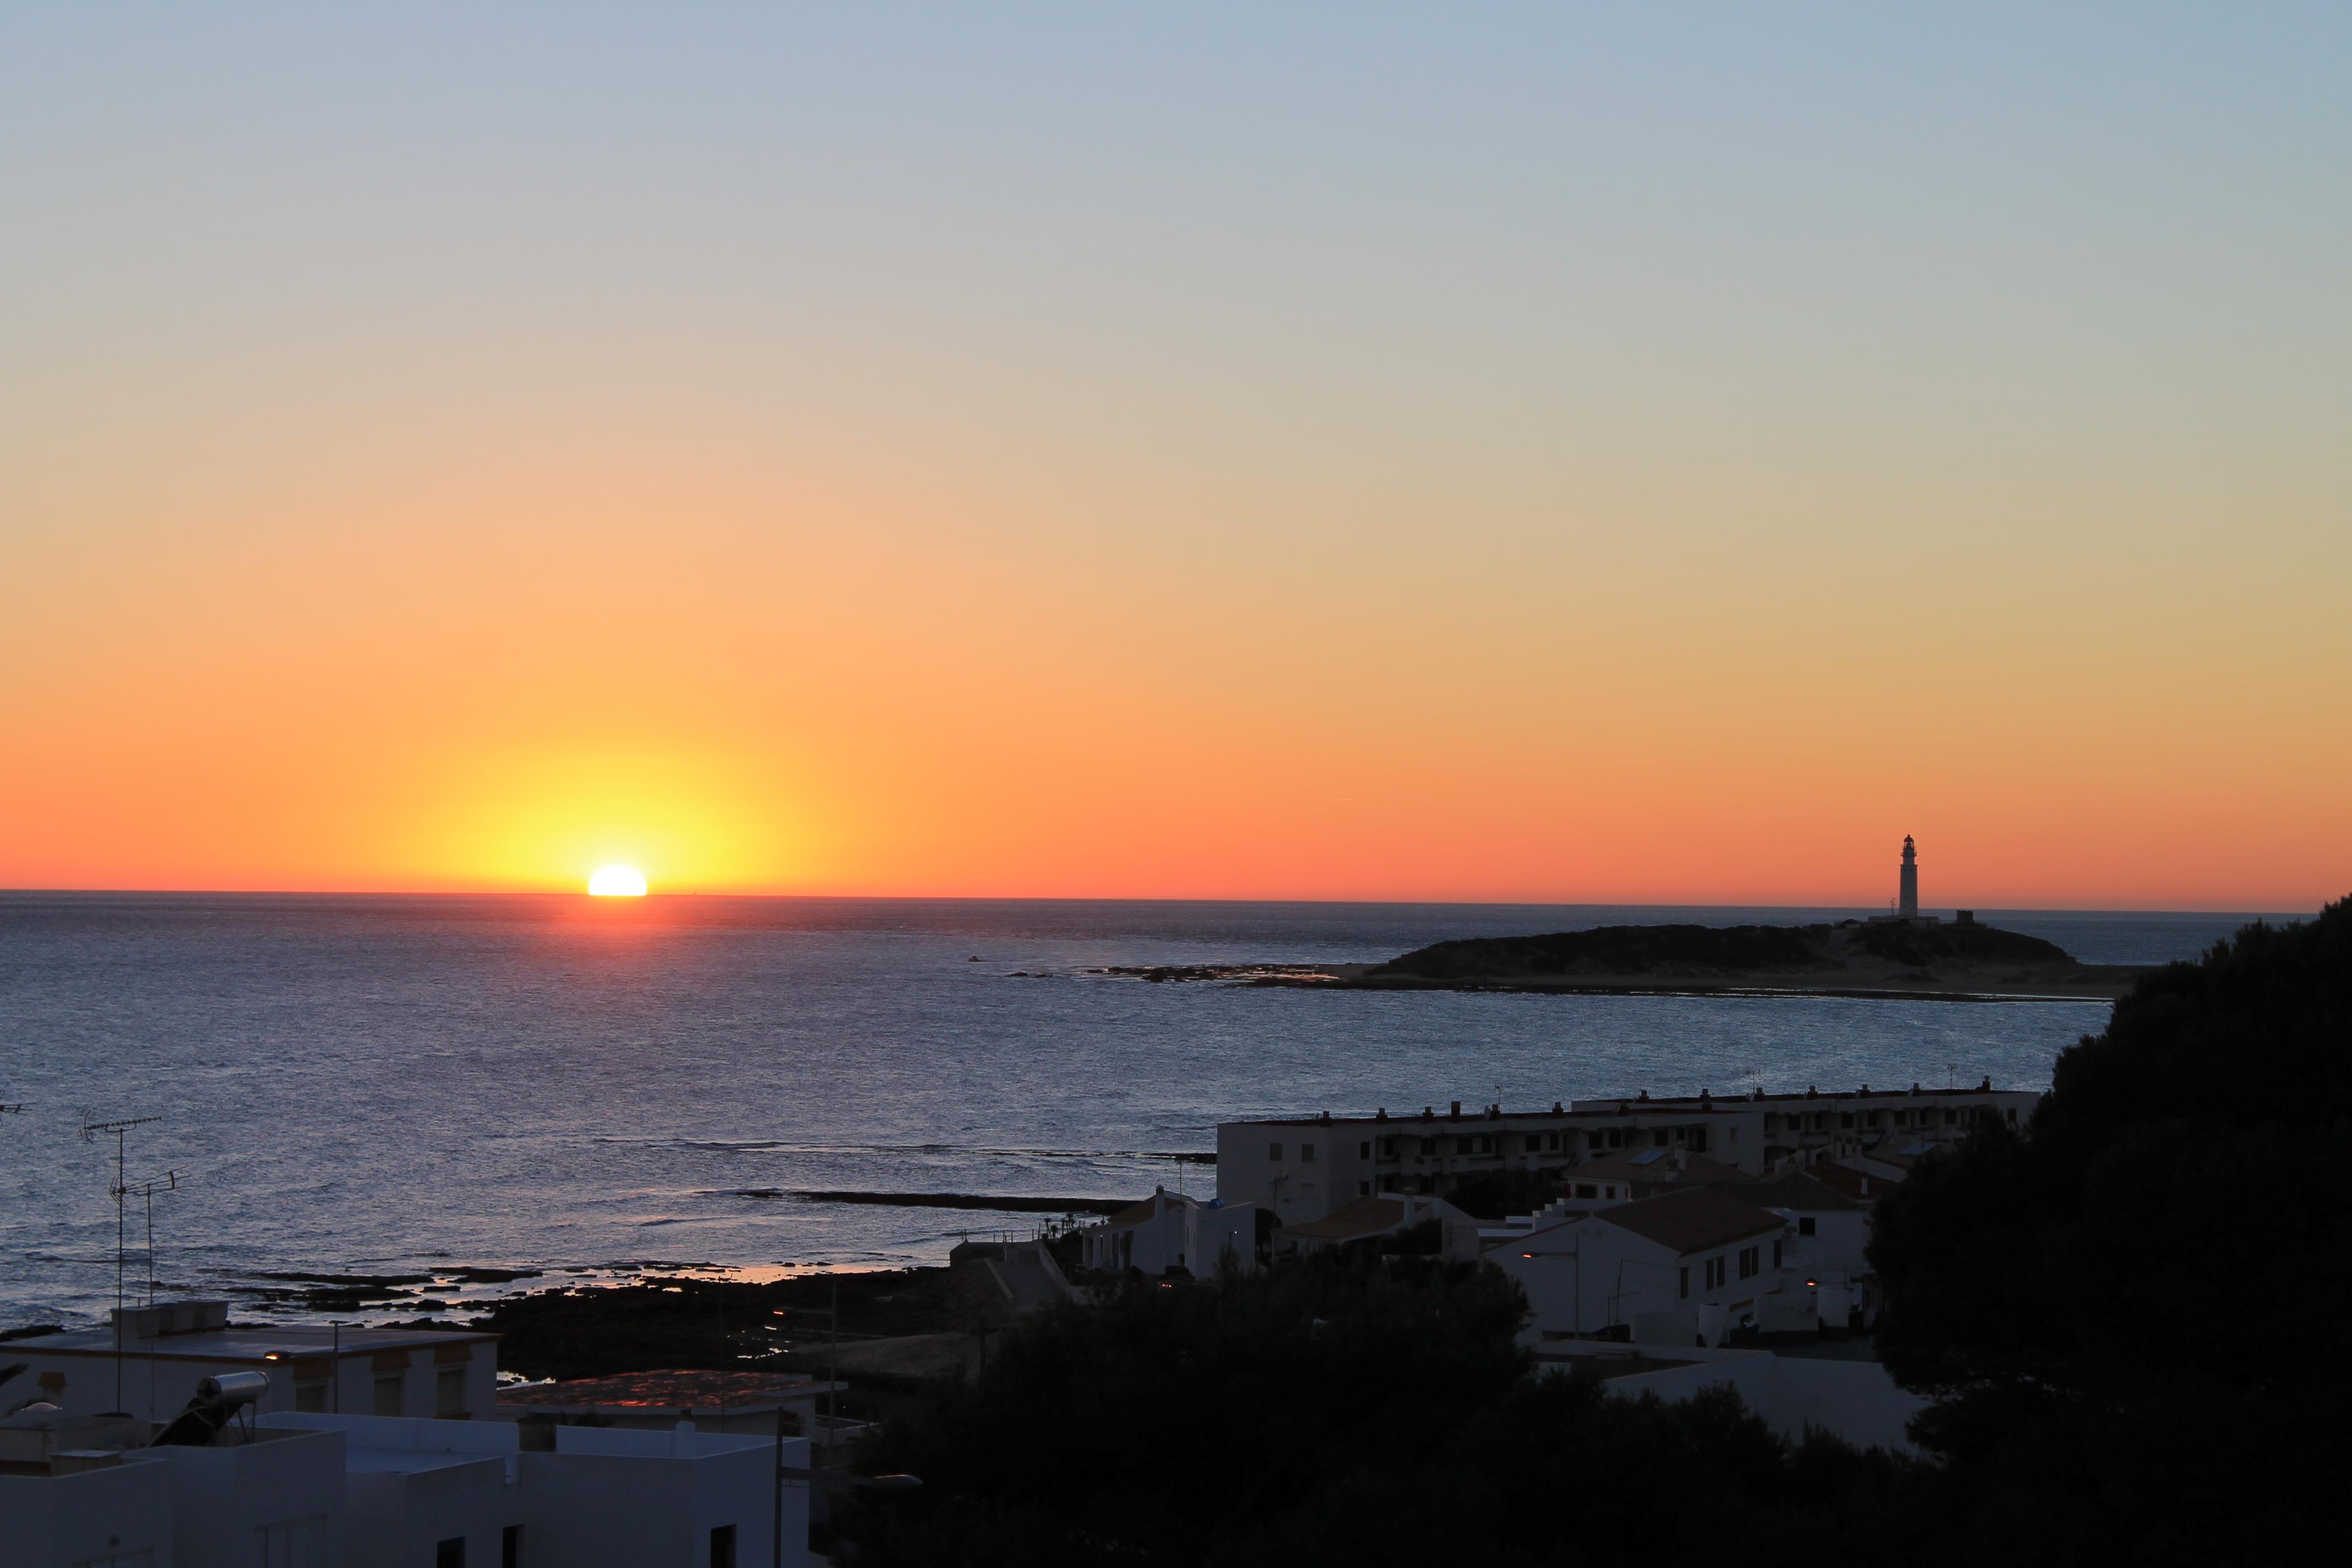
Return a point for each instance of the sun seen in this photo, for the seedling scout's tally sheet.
(617, 882)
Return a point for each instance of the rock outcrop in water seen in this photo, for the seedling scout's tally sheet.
(1874, 957)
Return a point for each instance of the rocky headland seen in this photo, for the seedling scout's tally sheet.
(1961, 960)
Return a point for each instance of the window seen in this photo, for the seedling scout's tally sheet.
(510, 1547)
(1845, 1118)
(1592, 1141)
(1364, 1150)
(1307, 1153)
(1682, 1284)
(1805, 1225)
(1715, 1272)
(1273, 1151)
(1552, 1142)
(1588, 1190)
(1485, 1142)
(1463, 1145)
(449, 1553)
(391, 1394)
(1776, 1253)
(1363, 1189)
(722, 1546)
(1428, 1146)
(1698, 1139)
(449, 1392)
(1661, 1137)
(1750, 1262)
(1951, 1118)
(1535, 1143)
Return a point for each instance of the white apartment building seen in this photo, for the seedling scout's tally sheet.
(152, 1367)
(1303, 1169)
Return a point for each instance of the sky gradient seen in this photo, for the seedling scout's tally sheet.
(1647, 454)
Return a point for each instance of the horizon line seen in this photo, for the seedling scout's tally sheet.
(584, 898)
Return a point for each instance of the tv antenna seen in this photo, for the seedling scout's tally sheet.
(145, 1191)
(90, 1133)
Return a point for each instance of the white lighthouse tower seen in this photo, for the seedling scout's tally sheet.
(1909, 907)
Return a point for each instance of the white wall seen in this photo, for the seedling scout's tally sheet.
(1217, 1235)
(222, 1498)
(612, 1497)
(118, 1513)
(1856, 1400)
(1588, 1275)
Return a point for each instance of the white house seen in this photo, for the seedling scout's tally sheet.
(1169, 1230)
(1829, 1229)
(163, 1352)
(1368, 1219)
(1692, 1263)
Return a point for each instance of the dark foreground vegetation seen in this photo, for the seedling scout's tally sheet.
(1338, 1415)
(2130, 1315)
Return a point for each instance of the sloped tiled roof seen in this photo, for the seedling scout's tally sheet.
(1693, 1219)
(1801, 1190)
(1364, 1217)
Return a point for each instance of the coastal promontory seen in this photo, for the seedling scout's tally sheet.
(1958, 961)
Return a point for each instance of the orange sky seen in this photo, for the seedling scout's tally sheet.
(1285, 515)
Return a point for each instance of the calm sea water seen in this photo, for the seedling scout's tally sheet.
(393, 1084)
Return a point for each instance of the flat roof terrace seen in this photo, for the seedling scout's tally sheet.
(246, 1342)
(1635, 1104)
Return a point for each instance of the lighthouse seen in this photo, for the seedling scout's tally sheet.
(1909, 907)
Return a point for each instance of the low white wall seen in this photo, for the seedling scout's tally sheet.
(55, 1521)
(1855, 1400)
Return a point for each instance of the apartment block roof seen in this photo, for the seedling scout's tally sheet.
(246, 1342)
(1627, 1105)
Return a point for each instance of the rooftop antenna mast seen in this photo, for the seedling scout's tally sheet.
(169, 1182)
(91, 1132)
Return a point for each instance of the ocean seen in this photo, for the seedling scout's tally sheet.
(381, 1085)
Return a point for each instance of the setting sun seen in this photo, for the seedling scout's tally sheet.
(617, 882)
